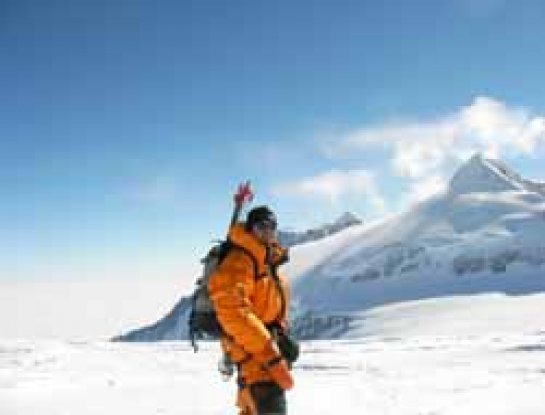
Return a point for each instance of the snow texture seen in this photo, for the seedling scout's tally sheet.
(487, 373)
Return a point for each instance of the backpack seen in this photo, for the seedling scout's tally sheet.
(203, 321)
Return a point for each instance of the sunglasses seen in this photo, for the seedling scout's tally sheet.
(266, 225)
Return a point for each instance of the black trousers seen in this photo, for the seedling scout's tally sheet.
(269, 398)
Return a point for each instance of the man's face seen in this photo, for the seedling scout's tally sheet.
(265, 231)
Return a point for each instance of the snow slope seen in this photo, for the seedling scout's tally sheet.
(485, 234)
(411, 375)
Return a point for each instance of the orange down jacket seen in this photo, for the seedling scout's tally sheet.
(245, 303)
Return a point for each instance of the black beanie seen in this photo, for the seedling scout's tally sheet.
(260, 214)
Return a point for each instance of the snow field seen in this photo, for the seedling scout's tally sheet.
(415, 375)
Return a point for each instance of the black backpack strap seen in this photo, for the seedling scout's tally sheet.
(278, 284)
(193, 331)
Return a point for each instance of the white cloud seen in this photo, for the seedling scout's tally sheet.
(422, 153)
(426, 152)
(422, 189)
(333, 185)
(532, 135)
(487, 126)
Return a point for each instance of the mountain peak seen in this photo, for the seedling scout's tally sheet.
(479, 174)
(347, 219)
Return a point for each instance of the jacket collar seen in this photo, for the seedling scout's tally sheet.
(240, 236)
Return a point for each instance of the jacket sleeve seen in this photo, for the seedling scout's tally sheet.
(230, 289)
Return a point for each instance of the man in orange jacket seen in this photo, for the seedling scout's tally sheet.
(251, 303)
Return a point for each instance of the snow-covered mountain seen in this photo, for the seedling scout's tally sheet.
(292, 238)
(485, 234)
(173, 326)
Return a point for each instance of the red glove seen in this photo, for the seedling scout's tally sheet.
(271, 359)
(244, 194)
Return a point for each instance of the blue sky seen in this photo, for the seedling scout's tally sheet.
(125, 125)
